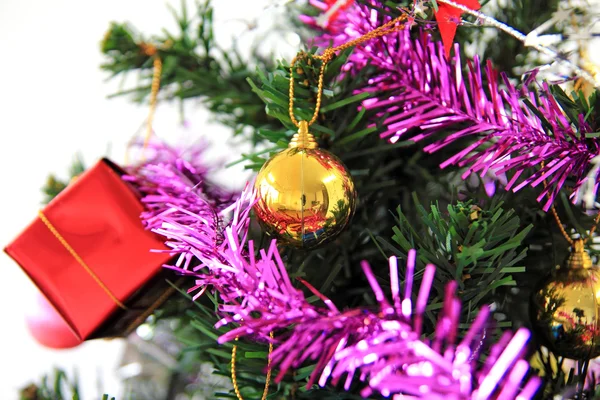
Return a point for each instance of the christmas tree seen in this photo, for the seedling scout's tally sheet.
(422, 167)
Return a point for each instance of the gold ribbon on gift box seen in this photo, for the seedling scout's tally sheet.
(142, 317)
(78, 258)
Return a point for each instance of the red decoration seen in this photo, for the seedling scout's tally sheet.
(448, 18)
(47, 326)
(332, 10)
(98, 215)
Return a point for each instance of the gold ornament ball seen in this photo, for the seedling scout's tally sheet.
(566, 308)
(306, 196)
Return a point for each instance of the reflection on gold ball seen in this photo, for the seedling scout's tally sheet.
(566, 308)
(306, 195)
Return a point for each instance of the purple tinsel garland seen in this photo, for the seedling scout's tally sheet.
(177, 192)
(382, 348)
(420, 91)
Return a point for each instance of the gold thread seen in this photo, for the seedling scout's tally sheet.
(76, 256)
(328, 55)
(561, 226)
(236, 388)
(150, 51)
(157, 66)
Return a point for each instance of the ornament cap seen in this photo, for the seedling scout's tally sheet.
(303, 139)
(579, 259)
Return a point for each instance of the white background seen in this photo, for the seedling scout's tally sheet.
(52, 105)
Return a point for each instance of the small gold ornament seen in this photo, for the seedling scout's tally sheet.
(566, 309)
(306, 196)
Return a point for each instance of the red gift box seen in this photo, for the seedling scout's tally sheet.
(98, 216)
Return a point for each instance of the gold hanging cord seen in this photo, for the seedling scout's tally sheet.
(565, 233)
(390, 27)
(561, 226)
(151, 51)
(234, 377)
(578, 243)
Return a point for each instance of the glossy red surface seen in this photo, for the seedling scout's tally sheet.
(99, 216)
(48, 327)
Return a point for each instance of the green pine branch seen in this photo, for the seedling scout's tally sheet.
(55, 185)
(478, 246)
(54, 386)
(194, 67)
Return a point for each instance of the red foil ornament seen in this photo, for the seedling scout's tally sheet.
(448, 18)
(48, 327)
(334, 7)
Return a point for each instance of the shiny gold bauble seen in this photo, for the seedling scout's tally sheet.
(566, 308)
(306, 196)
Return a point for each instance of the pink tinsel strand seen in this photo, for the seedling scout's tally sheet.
(380, 347)
(418, 90)
(177, 192)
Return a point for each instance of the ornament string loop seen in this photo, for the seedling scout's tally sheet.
(151, 51)
(236, 388)
(394, 25)
(564, 231)
(157, 70)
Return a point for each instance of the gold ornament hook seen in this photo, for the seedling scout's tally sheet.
(579, 258)
(303, 139)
